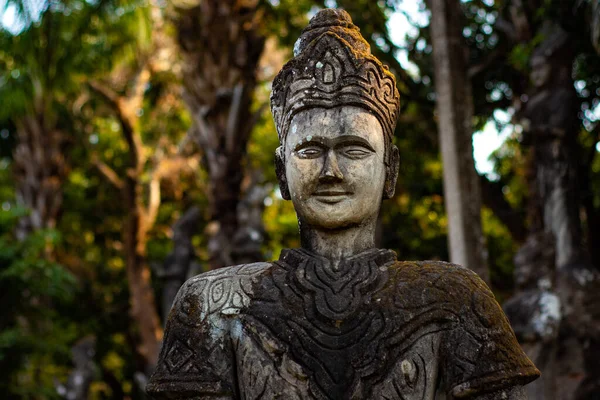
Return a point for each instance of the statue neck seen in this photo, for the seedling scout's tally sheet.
(338, 244)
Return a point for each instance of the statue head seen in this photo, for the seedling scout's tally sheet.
(541, 71)
(551, 61)
(335, 107)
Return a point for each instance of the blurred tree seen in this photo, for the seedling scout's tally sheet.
(40, 63)
(180, 260)
(455, 108)
(595, 8)
(146, 166)
(593, 13)
(221, 42)
(55, 51)
(35, 330)
(37, 67)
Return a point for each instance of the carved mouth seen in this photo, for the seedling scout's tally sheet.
(331, 196)
(332, 193)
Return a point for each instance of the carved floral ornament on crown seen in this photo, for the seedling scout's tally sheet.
(330, 71)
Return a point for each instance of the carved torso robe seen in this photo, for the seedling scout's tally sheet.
(373, 328)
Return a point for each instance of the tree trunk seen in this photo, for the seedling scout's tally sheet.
(221, 45)
(595, 25)
(143, 308)
(455, 109)
(140, 217)
(39, 169)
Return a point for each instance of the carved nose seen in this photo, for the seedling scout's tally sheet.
(331, 171)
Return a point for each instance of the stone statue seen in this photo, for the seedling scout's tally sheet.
(551, 125)
(83, 373)
(556, 308)
(180, 261)
(338, 318)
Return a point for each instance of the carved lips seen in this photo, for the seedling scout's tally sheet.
(331, 196)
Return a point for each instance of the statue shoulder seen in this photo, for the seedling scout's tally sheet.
(457, 288)
(454, 274)
(224, 291)
(196, 359)
(479, 349)
(447, 277)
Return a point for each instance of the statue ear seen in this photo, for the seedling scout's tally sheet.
(280, 171)
(391, 175)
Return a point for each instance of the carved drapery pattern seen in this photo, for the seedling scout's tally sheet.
(373, 328)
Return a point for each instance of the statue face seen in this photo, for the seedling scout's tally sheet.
(540, 71)
(334, 166)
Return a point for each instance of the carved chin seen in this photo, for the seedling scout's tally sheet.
(331, 215)
(329, 223)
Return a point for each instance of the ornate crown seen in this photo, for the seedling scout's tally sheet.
(333, 66)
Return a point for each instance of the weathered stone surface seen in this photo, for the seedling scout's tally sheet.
(333, 66)
(338, 319)
(375, 328)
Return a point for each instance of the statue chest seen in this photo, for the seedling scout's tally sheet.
(313, 363)
(310, 333)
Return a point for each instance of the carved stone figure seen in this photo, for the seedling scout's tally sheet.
(83, 373)
(338, 318)
(180, 261)
(556, 309)
(550, 123)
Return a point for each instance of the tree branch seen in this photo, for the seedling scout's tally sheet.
(128, 120)
(506, 27)
(202, 134)
(108, 173)
(108, 95)
(475, 70)
(154, 202)
(246, 129)
(234, 116)
(520, 21)
(166, 167)
(136, 100)
(204, 139)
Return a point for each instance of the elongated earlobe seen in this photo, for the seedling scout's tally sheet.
(280, 171)
(391, 175)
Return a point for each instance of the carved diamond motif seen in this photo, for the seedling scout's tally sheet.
(178, 356)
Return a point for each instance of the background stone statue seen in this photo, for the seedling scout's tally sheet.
(338, 318)
(181, 260)
(556, 326)
(83, 373)
(550, 123)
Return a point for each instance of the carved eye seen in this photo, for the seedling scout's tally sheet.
(356, 152)
(310, 152)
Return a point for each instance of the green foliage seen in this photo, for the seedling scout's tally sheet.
(285, 19)
(281, 225)
(501, 249)
(36, 294)
(52, 305)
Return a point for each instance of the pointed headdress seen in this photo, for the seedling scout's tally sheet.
(333, 66)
